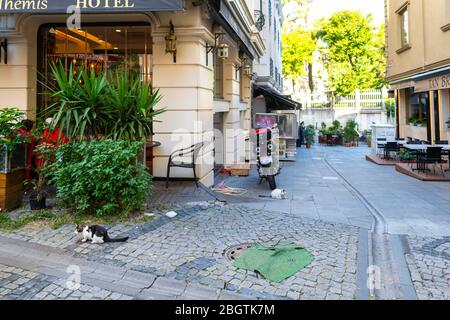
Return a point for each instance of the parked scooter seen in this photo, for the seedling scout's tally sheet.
(267, 157)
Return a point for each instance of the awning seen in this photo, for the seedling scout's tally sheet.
(88, 6)
(275, 100)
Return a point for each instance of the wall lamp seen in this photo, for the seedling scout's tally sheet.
(221, 47)
(4, 46)
(171, 42)
(245, 66)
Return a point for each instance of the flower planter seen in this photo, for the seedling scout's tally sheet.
(37, 204)
(308, 146)
(11, 177)
(348, 144)
(11, 190)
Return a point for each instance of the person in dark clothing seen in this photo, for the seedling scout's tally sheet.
(301, 135)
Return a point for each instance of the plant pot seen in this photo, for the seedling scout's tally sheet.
(37, 204)
(348, 144)
(308, 146)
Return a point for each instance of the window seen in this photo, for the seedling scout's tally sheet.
(271, 67)
(111, 49)
(447, 10)
(218, 77)
(403, 13)
(270, 12)
(446, 26)
(419, 108)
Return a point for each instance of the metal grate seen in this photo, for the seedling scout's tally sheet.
(234, 252)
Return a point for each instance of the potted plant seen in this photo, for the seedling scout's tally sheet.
(350, 133)
(310, 133)
(369, 139)
(12, 158)
(448, 123)
(45, 153)
(405, 156)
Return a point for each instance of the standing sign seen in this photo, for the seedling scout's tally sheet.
(88, 6)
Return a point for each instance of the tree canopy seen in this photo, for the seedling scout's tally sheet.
(353, 52)
(298, 49)
(298, 41)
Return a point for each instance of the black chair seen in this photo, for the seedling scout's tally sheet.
(381, 144)
(176, 161)
(441, 142)
(390, 147)
(433, 155)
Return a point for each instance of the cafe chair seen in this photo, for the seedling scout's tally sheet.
(391, 147)
(433, 156)
(381, 144)
(178, 160)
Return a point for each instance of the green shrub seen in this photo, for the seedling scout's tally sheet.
(101, 177)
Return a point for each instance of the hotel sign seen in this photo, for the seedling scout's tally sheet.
(436, 83)
(88, 6)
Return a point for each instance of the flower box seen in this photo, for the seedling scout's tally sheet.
(12, 166)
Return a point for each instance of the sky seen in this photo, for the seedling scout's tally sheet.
(325, 8)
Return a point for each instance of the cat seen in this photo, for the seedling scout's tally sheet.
(278, 194)
(96, 234)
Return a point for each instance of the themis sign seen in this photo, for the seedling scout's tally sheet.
(90, 6)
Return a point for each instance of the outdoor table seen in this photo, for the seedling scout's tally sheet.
(422, 148)
(382, 145)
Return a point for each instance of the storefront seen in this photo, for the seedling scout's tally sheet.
(131, 36)
(423, 106)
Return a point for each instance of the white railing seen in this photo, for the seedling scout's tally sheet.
(364, 99)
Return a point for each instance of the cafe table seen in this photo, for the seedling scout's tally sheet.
(382, 145)
(420, 149)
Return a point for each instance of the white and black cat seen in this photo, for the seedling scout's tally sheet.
(96, 234)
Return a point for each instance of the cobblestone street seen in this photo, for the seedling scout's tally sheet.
(183, 258)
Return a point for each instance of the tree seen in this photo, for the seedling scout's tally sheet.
(353, 52)
(298, 49)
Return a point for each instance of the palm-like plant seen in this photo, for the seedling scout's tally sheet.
(78, 105)
(86, 105)
(131, 104)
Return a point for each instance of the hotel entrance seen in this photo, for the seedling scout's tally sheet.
(105, 48)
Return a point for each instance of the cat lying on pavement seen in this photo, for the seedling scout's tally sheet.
(96, 234)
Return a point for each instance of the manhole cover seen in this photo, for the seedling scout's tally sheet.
(235, 252)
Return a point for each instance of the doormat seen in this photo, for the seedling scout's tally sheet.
(275, 263)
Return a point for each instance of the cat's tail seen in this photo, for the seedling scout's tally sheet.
(117, 239)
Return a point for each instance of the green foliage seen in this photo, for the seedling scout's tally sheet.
(353, 52)
(298, 49)
(349, 133)
(79, 102)
(101, 177)
(10, 123)
(8, 224)
(310, 133)
(448, 123)
(132, 108)
(405, 155)
(87, 105)
(416, 121)
(390, 107)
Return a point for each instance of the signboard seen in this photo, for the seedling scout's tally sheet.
(436, 83)
(88, 6)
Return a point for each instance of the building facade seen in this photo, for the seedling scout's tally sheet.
(197, 86)
(268, 85)
(418, 67)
